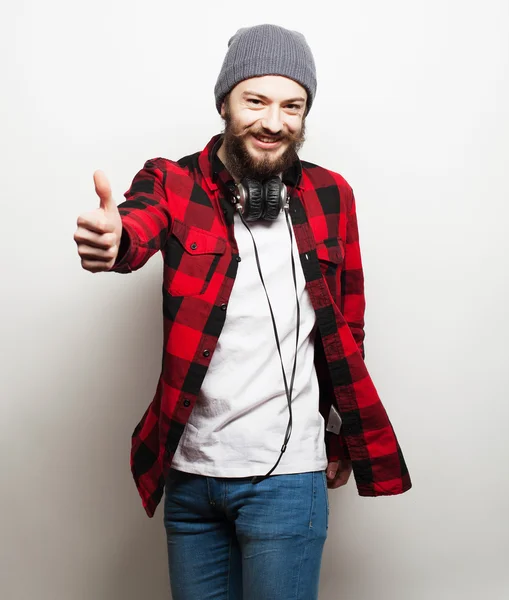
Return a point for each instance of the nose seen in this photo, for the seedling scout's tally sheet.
(272, 120)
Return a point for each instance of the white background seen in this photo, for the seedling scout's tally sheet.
(413, 110)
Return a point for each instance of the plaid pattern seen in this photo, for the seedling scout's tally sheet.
(180, 209)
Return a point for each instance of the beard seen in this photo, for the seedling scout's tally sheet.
(241, 164)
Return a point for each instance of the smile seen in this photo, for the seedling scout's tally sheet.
(266, 143)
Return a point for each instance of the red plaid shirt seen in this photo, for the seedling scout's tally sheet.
(180, 209)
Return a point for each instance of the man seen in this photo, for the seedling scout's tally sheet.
(264, 399)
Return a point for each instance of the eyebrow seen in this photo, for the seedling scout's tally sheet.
(249, 93)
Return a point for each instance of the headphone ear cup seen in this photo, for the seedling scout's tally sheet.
(254, 199)
(273, 203)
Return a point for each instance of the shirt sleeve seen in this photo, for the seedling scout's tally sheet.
(353, 302)
(336, 447)
(145, 218)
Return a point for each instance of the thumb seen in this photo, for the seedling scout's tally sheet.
(332, 469)
(103, 190)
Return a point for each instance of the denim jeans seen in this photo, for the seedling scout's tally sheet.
(231, 540)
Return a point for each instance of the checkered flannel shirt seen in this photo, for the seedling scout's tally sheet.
(181, 209)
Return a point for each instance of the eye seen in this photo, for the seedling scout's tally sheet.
(255, 101)
(293, 107)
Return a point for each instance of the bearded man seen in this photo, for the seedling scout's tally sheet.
(264, 401)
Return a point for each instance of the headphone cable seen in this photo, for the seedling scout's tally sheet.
(288, 389)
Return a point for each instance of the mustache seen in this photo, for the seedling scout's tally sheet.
(262, 132)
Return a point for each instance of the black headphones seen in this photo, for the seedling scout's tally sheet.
(256, 200)
(260, 200)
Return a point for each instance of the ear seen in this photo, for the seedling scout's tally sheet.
(225, 105)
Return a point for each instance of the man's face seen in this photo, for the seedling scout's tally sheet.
(264, 126)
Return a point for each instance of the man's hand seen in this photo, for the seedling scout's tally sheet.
(99, 232)
(338, 473)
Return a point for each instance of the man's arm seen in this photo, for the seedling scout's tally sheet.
(145, 219)
(352, 301)
(122, 238)
(352, 306)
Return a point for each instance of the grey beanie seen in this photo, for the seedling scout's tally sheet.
(266, 50)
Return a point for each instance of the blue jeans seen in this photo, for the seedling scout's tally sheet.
(231, 540)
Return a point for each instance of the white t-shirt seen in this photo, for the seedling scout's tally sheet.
(239, 421)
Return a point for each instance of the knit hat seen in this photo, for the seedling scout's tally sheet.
(266, 50)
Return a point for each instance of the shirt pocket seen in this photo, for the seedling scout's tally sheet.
(191, 256)
(330, 253)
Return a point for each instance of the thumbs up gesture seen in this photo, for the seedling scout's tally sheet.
(98, 234)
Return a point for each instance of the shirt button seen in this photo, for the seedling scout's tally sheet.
(186, 402)
(194, 245)
(206, 353)
(223, 306)
(238, 259)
